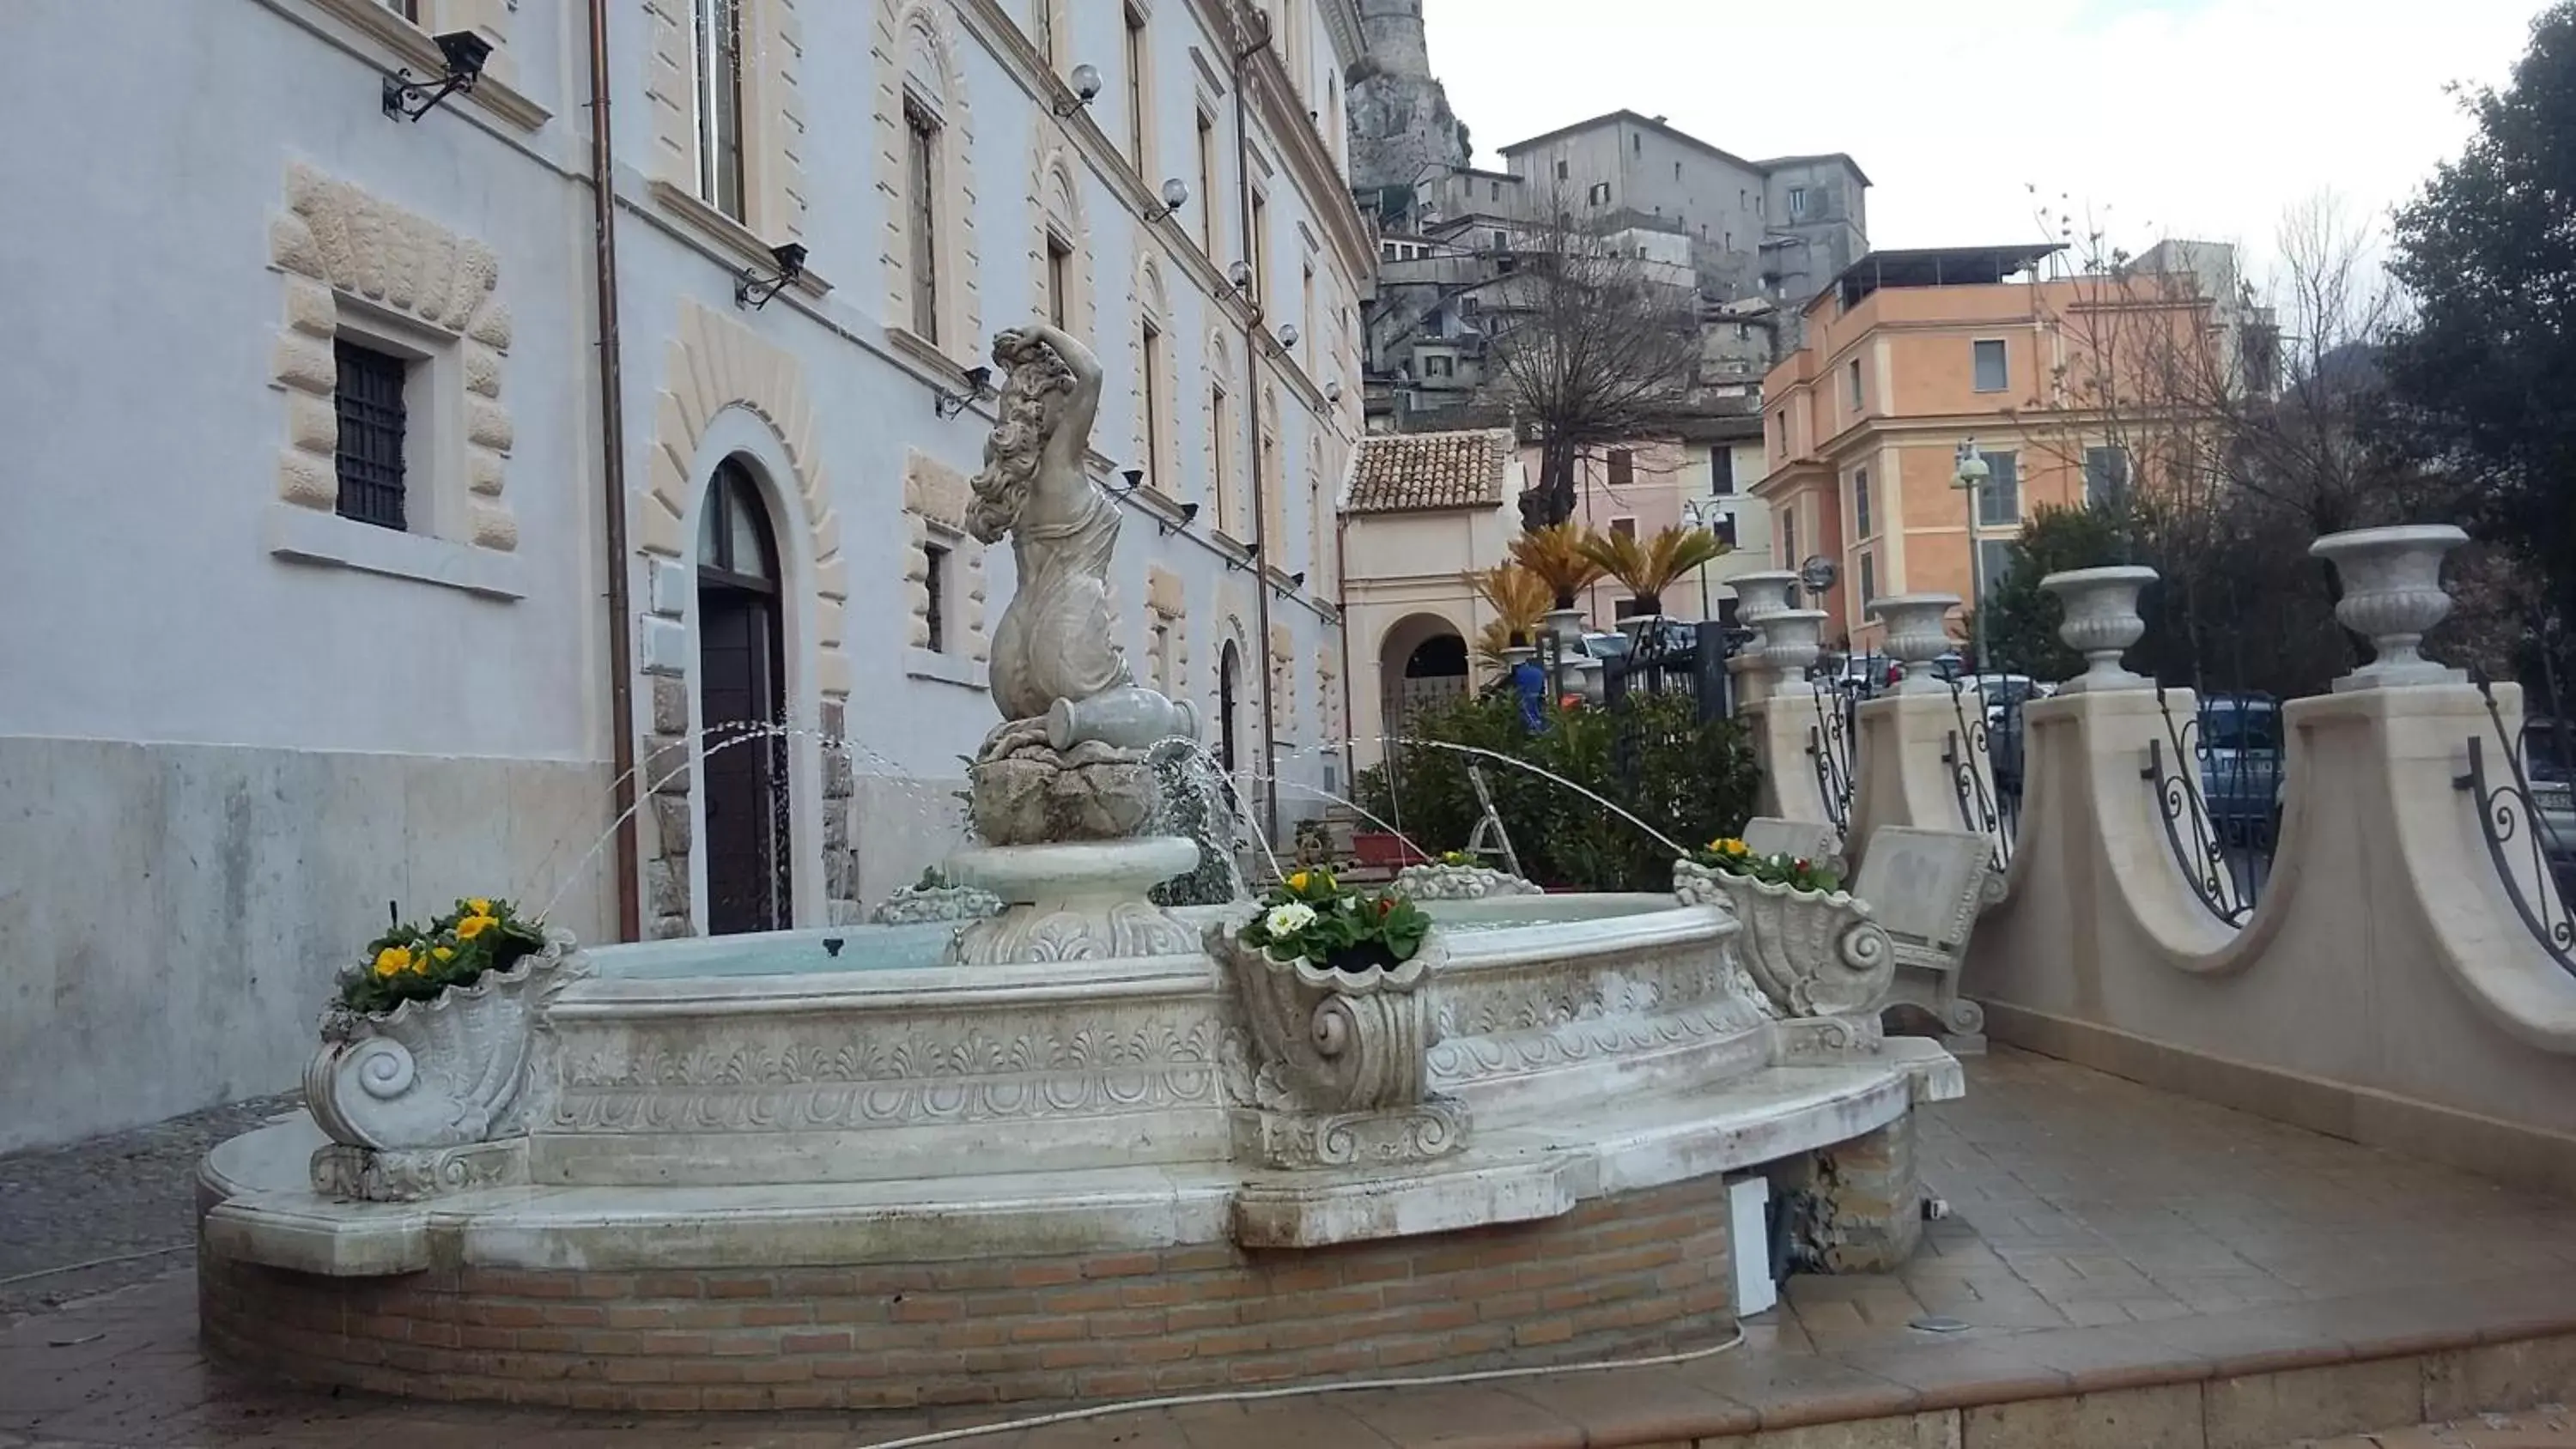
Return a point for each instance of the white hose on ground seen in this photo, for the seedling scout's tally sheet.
(1246, 1396)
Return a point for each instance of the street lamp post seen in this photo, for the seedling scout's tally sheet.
(1698, 515)
(1971, 476)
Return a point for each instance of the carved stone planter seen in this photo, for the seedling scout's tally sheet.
(1460, 883)
(1813, 953)
(2392, 592)
(1916, 636)
(1339, 1076)
(929, 905)
(2101, 623)
(1791, 641)
(422, 1099)
(1758, 596)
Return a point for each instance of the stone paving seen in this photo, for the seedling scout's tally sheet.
(2101, 1236)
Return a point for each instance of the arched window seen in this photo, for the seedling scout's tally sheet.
(1223, 439)
(1229, 667)
(1154, 378)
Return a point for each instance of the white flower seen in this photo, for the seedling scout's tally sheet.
(1289, 919)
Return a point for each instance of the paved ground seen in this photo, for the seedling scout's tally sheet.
(2493, 1431)
(2101, 1233)
(128, 1199)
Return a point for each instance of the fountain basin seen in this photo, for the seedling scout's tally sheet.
(891, 1184)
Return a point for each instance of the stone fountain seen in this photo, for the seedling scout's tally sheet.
(1064, 787)
(983, 1156)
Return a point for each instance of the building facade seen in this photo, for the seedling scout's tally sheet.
(1913, 355)
(461, 500)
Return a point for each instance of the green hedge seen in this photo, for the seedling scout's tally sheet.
(1693, 782)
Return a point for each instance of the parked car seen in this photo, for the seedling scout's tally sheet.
(2549, 763)
(2240, 766)
(2001, 697)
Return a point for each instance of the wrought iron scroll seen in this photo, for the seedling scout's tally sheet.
(1830, 741)
(1987, 784)
(2510, 817)
(2227, 886)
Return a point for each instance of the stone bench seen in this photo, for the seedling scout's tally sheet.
(1927, 888)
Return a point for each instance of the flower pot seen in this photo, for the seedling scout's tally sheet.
(2101, 623)
(1791, 641)
(1637, 626)
(1336, 1037)
(2392, 592)
(1915, 636)
(438, 1072)
(1812, 953)
(1566, 624)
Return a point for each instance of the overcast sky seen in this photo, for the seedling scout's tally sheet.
(2201, 118)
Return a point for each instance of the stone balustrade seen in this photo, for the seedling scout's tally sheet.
(2391, 985)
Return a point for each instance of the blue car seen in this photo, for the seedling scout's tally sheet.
(2240, 766)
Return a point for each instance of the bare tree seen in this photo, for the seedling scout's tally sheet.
(1590, 347)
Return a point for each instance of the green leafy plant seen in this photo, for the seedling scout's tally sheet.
(1560, 558)
(1649, 566)
(414, 962)
(1734, 857)
(1310, 916)
(1456, 857)
(1651, 755)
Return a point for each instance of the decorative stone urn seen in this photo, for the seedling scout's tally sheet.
(1587, 683)
(1517, 655)
(1339, 1075)
(1442, 882)
(1565, 624)
(1915, 636)
(2101, 623)
(2392, 592)
(1813, 953)
(1758, 596)
(1792, 640)
(431, 1096)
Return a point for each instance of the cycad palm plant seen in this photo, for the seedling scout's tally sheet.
(1561, 557)
(1650, 566)
(1519, 598)
(1491, 641)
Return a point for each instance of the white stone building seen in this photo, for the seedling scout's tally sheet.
(353, 555)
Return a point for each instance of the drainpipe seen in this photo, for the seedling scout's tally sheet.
(1252, 413)
(1342, 628)
(612, 483)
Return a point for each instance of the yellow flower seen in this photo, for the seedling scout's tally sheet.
(443, 953)
(473, 926)
(1297, 882)
(393, 960)
(479, 906)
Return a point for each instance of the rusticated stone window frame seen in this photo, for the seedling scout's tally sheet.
(1283, 682)
(916, 60)
(358, 266)
(773, 114)
(1157, 438)
(1166, 608)
(935, 499)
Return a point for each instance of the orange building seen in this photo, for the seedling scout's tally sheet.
(1910, 355)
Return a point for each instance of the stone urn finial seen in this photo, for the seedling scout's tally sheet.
(2392, 592)
(1758, 596)
(1791, 640)
(2101, 623)
(1915, 636)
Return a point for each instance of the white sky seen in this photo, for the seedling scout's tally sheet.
(2201, 118)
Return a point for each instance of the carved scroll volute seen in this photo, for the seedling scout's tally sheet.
(1338, 1041)
(437, 1073)
(1813, 953)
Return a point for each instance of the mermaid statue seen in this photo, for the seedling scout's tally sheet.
(1067, 762)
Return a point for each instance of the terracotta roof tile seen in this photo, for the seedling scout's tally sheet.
(1402, 471)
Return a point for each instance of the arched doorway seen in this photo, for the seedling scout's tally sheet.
(742, 684)
(1422, 663)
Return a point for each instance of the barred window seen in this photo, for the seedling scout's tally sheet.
(935, 576)
(370, 456)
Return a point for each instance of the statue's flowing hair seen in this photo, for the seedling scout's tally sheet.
(1011, 454)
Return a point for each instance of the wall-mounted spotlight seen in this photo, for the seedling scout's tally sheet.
(1296, 581)
(979, 386)
(1176, 194)
(465, 53)
(1086, 89)
(1189, 515)
(1240, 274)
(1135, 479)
(754, 291)
(1288, 334)
(1251, 559)
(1333, 391)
